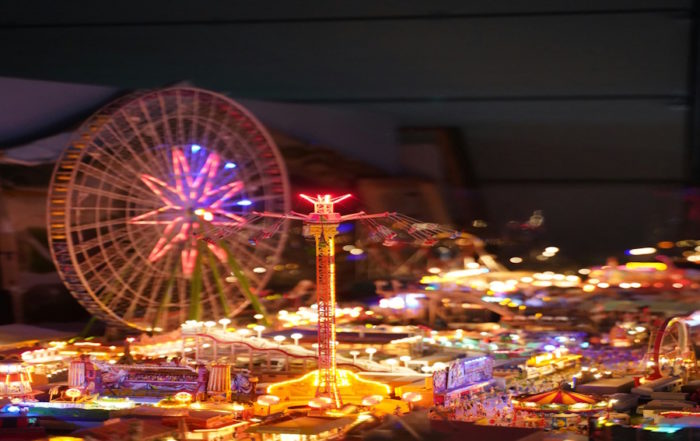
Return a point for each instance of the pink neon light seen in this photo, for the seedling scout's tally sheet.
(142, 218)
(180, 167)
(193, 193)
(209, 169)
(341, 198)
(234, 187)
(308, 198)
(188, 257)
(325, 199)
(218, 252)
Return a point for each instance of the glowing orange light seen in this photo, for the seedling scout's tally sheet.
(345, 378)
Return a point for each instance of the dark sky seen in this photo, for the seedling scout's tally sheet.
(585, 110)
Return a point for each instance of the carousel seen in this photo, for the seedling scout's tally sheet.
(15, 381)
(557, 408)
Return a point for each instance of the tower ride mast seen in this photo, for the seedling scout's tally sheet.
(322, 224)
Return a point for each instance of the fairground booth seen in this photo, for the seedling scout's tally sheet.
(461, 378)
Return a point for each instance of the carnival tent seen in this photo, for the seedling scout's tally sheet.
(558, 400)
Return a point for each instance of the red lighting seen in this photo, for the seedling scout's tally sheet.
(324, 199)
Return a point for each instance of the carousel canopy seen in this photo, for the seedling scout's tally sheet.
(557, 396)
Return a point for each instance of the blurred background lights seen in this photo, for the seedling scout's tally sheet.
(641, 251)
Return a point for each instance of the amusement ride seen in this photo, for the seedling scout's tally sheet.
(132, 191)
(322, 225)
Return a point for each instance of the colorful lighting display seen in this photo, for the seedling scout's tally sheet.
(200, 191)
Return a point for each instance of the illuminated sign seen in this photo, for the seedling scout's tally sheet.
(463, 372)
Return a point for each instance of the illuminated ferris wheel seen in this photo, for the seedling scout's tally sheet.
(671, 349)
(139, 182)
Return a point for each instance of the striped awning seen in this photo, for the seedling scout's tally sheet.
(557, 396)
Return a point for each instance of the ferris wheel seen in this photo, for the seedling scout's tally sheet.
(671, 349)
(139, 181)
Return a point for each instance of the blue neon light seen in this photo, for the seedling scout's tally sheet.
(345, 227)
(230, 165)
(195, 148)
(244, 202)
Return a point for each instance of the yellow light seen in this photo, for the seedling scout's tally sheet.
(430, 279)
(344, 377)
(658, 266)
(434, 270)
(588, 288)
(516, 259)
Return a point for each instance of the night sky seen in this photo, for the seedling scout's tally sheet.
(585, 111)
